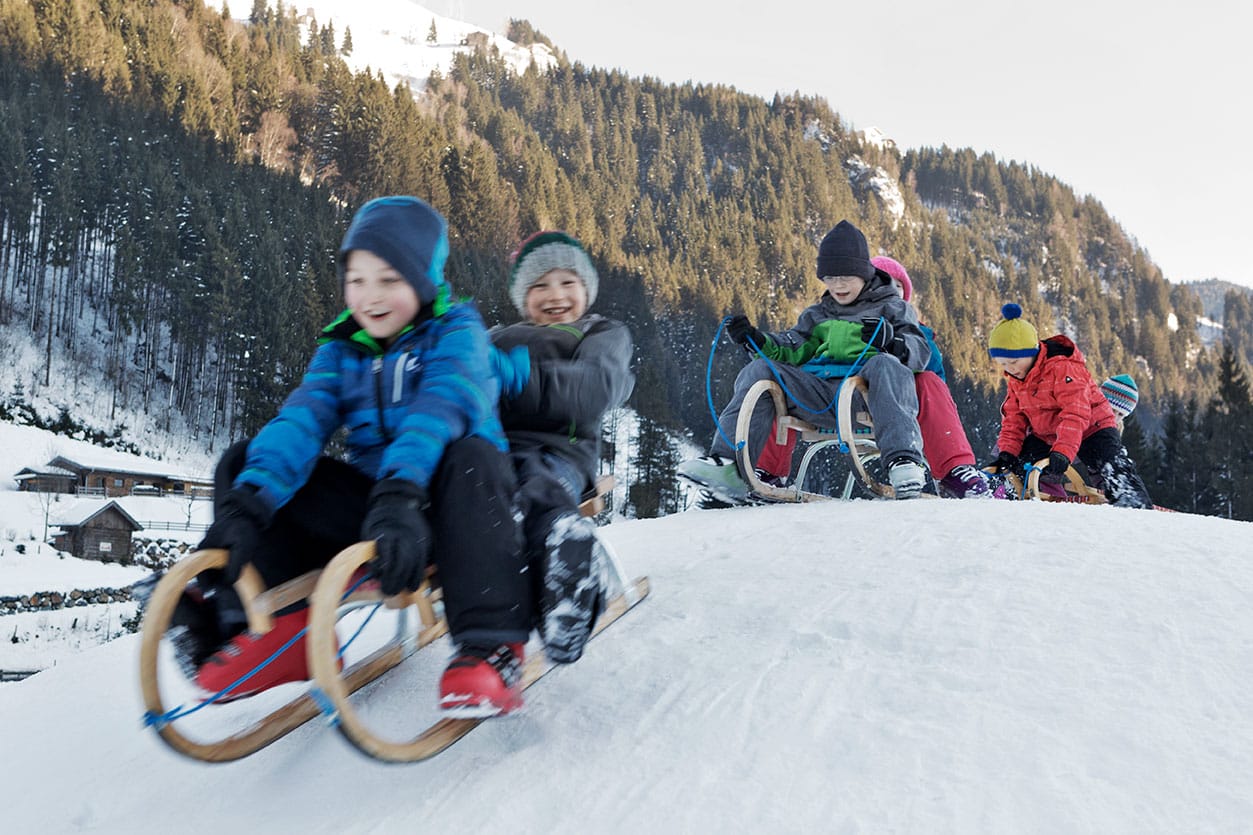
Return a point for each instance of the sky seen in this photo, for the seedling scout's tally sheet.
(1144, 107)
(870, 666)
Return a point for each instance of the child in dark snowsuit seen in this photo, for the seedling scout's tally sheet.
(860, 314)
(408, 374)
(561, 370)
(1054, 409)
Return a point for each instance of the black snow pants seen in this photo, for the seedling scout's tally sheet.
(477, 544)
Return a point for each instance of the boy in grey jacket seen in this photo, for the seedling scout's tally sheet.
(561, 370)
(860, 308)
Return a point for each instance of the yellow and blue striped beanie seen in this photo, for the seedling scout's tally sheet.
(1014, 336)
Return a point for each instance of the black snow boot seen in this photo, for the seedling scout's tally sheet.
(570, 598)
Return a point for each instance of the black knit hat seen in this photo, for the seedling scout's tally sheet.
(844, 252)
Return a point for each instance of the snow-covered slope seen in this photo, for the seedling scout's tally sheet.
(929, 666)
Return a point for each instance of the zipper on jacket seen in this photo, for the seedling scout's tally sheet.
(377, 369)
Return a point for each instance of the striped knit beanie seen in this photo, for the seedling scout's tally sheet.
(1122, 393)
(544, 252)
(1014, 337)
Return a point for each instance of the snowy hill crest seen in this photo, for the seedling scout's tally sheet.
(406, 42)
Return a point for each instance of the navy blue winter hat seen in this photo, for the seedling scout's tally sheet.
(844, 252)
(406, 233)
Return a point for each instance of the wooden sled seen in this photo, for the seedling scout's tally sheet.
(259, 606)
(1078, 491)
(326, 592)
(854, 436)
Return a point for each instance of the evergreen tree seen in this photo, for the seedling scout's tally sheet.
(653, 490)
(1146, 454)
(1227, 432)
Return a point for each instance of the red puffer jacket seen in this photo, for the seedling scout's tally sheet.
(1058, 402)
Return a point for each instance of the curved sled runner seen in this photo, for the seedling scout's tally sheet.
(1077, 490)
(332, 688)
(854, 437)
(259, 605)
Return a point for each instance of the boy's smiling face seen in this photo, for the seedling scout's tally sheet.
(557, 298)
(844, 288)
(381, 300)
(1016, 367)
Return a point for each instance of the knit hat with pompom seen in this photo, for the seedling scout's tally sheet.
(1014, 336)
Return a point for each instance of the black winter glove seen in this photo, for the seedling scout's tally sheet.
(396, 521)
(880, 334)
(237, 526)
(1055, 472)
(1005, 464)
(741, 330)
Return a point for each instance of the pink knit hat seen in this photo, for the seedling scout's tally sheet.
(899, 277)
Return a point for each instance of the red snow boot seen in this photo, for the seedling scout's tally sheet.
(482, 682)
(247, 652)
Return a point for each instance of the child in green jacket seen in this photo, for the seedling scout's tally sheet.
(859, 315)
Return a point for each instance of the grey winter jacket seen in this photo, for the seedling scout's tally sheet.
(578, 373)
(876, 300)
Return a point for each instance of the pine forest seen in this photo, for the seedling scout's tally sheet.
(174, 183)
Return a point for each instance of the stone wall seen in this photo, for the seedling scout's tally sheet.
(156, 554)
(43, 601)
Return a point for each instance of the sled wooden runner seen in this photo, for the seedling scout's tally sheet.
(333, 687)
(855, 434)
(857, 385)
(279, 722)
(1077, 490)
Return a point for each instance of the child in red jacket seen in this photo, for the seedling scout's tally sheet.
(1054, 409)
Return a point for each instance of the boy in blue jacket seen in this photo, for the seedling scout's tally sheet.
(561, 370)
(407, 373)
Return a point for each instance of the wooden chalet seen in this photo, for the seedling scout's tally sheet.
(96, 530)
(45, 480)
(63, 474)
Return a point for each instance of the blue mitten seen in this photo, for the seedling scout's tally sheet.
(512, 369)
